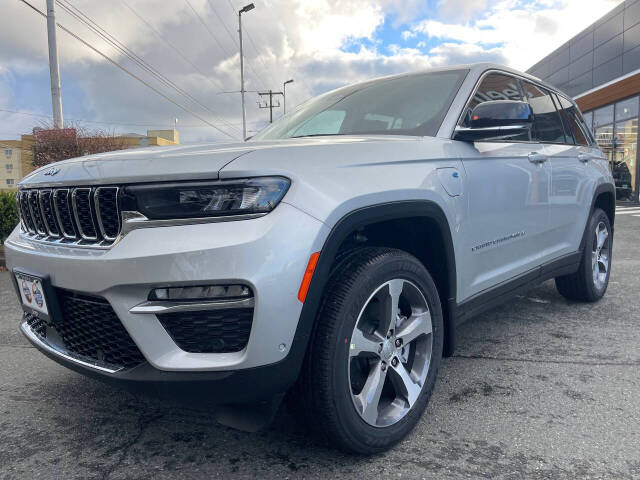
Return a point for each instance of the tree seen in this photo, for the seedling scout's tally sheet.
(52, 145)
(8, 214)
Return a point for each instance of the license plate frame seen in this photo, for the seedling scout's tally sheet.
(43, 300)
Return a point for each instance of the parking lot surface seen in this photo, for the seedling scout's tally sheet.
(538, 388)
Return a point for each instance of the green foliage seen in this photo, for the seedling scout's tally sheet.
(8, 214)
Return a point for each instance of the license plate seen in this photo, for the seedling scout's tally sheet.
(32, 293)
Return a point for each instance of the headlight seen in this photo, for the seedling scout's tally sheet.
(205, 199)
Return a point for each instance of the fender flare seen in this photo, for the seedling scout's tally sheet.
(600, 189)
(343, 228)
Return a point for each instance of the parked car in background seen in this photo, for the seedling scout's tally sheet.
(334, 254)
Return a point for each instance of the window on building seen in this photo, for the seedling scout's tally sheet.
(547, 126)
(616, 131)
(8, 152)
(9, 167)
(9, 181)
(602, 116)
(627, 109)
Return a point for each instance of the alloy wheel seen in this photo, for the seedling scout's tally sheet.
(600, 255)
(390, 352)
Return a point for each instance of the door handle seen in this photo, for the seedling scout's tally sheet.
(584, 157)
(535, 157)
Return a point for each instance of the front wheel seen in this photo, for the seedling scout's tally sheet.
(376, 351)
(590, 282)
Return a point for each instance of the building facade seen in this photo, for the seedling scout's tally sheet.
(16, 156)
(600, 68)
(16, 161)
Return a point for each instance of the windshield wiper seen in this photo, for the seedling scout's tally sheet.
(318, 135)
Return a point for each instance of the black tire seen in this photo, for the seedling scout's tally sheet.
(324, 387)
(581, 286)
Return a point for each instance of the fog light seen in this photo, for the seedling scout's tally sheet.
(209, 292)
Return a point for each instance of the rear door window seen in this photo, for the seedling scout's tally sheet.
(573, 129)
(547, 126)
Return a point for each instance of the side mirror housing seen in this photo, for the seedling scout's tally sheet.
(496, 119)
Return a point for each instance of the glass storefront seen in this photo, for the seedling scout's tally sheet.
(615, 128)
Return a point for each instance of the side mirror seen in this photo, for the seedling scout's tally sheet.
(496, 119)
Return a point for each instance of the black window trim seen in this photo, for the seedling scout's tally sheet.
(519, 78)
(561, 114)
(587, 135)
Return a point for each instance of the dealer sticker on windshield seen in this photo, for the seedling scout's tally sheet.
(32, 293)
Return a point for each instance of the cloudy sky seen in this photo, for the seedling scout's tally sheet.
(322, 44)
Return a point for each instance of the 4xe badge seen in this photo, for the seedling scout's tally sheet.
(52, 171)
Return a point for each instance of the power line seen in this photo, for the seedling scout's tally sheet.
(124, 50)
(264, 65)
(171, 45)
(114, 122)
(116, 64)
(270, 105)
(224, 50)
(233, 39)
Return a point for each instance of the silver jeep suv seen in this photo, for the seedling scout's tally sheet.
(332, 256)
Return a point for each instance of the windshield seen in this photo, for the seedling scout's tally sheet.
(413, 104)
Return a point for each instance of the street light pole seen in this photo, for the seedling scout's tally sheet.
(284, 95)
(244, 9)
(54, 69)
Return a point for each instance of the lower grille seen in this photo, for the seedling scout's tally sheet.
(90, 328)
(216, 331)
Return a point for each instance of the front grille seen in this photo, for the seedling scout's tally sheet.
(216, 331)
(74, 216)
(36, 214)
(81, 201)
(91, 329)
(48, 213)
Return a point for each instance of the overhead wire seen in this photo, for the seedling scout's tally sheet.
(235, 42)
(105, 122)
(127, 52)
(170, 44)
(127, 71)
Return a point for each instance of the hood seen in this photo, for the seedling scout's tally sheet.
(172, 163)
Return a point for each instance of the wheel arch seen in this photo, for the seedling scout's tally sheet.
(604, 198)
(358, 220)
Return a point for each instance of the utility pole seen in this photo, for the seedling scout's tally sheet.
(54, 69)
(269, 105)
(244, 9)
(284, 95)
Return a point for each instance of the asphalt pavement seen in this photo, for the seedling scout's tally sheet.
(538, 388)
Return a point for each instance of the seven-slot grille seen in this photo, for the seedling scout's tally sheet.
(75, 216)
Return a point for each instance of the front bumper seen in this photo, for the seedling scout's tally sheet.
(238, 386)
(269, 254)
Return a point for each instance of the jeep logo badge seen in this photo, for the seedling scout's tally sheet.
(52, 171)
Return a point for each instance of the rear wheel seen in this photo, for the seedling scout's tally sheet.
(590, 282)
(376, 351)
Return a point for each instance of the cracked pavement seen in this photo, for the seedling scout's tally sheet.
(538, 388)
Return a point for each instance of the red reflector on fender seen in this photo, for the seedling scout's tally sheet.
(308, 274)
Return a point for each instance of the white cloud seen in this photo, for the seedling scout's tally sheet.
(526, 32)
(461, 10)
(300, 39)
